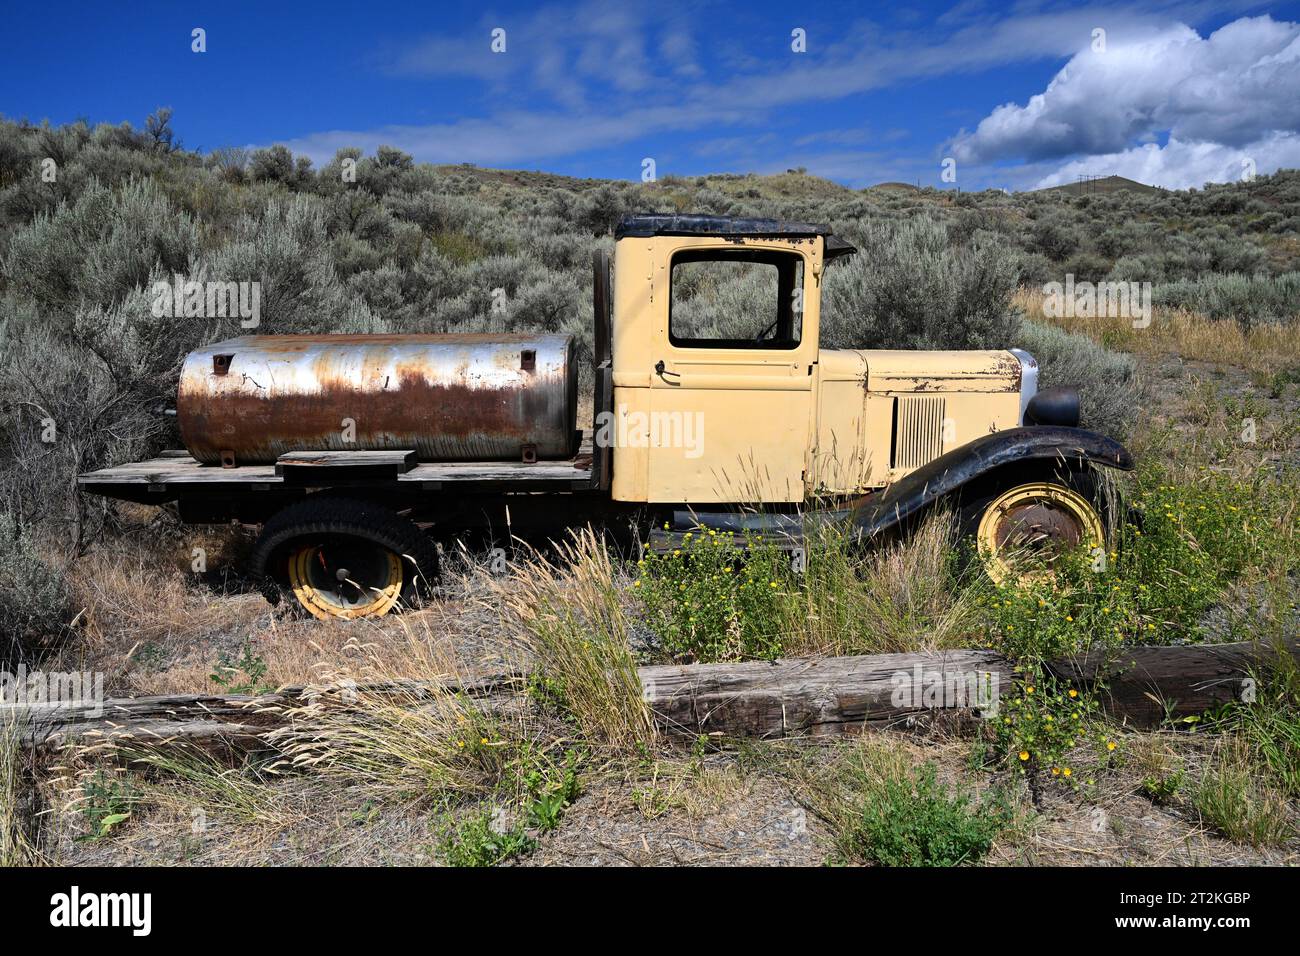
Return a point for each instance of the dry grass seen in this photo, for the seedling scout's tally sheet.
(1233, 797)
(148, 622)
(1264, 348)
(695, 789)
(571, 618)
(900, 597)
(400, 726)
(18, 844)
(154, 627)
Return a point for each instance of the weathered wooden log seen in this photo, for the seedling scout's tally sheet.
(1143, 686)
(818, 696)
(239, 719)
(798, 696)
(1146, 685)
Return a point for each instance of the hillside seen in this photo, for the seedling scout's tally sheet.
(1101, 185)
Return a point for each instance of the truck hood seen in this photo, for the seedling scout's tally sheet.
(941, 371)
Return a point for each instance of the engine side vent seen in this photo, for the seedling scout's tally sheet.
(918, 431)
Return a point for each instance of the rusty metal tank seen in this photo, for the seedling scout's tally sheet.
(449, 397)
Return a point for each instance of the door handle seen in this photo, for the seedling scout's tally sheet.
(662, 371)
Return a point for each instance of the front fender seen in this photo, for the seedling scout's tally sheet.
(956, 468)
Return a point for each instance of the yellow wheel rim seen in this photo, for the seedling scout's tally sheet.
(326, 583)
(1035, 518)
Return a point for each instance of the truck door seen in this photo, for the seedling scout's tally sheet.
(731, 378)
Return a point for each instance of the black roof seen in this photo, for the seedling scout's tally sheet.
(655, 224)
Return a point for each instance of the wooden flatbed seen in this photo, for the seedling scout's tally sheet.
(174, 473)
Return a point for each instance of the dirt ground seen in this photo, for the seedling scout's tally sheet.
(720, 815)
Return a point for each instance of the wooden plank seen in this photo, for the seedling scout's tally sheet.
(398, 459)
(211, 714)
(308, 466)
(173, 473)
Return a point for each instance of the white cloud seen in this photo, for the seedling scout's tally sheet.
(1185, 164)
(1234, 93)
(517, 137)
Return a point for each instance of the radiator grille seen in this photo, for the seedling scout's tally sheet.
(918, 431)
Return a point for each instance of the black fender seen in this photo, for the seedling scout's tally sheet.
(950, 471)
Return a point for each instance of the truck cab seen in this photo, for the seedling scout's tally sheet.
(733, 400)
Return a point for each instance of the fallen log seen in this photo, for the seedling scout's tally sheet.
(1141, 687)
(819, 696)
(1144, 686)
(792, 697)
(236, 719)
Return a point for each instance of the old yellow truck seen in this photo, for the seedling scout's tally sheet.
(714, 406)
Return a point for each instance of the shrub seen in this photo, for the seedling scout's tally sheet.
(33, 593)
(482, 840)
(907, 288)
(1035, 269)
(1086, 267)
(1192, 542)
(909, 819)
(714, 600)
(1054, 237)
(1045, 727)
(1246, 299)
(274, 164)
(1107, 381)
(100, 247)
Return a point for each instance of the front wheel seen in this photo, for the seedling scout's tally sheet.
(1022, 531)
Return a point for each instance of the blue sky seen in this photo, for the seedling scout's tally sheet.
(1018, 95)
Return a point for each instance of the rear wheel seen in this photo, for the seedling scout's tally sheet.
(345, 577)
(1020, 532)
(341, 558)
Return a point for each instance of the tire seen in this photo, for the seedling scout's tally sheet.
(343, 558)
(1044, 512)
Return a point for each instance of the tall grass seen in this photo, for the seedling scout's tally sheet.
(18, 844)
(907, 595)
(1236, 800)
(193, 779)
(718, 597)
(401, 727)
(1265, 346)
(571, 618)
